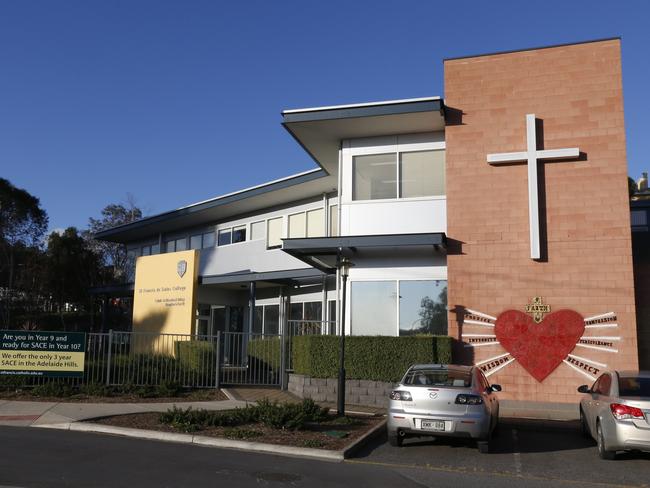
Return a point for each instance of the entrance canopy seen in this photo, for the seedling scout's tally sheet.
(266, 279)
(323, 252)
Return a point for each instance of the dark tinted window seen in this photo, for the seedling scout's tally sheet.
(439, 377)
(602, 385)
(239, 234)
(633, 386)
(225, 237)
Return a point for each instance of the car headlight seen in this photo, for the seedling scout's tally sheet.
(402, 395)
(469, 399)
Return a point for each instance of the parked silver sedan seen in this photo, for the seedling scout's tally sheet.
(443, 400)
(616, 412)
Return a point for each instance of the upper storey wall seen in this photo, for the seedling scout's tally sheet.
(576, 93)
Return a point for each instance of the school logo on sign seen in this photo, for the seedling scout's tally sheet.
(181, 268)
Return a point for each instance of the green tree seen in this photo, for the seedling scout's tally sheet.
(433, 314)
(111, 254)
(71, 270)
(23, 224)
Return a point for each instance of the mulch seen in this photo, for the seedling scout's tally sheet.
(315, 435)
(190, 396)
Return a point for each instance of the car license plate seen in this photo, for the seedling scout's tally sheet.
(437, 425)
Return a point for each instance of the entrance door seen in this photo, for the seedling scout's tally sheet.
(229, 320)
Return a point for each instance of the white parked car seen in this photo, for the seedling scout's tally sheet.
(616, 412)
(443, 400)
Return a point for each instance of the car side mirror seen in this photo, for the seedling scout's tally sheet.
(584, 389)
(495, 387)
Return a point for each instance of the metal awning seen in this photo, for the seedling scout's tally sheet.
(284, 277)
(322, 252)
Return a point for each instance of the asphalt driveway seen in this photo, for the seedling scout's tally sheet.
(530, 449)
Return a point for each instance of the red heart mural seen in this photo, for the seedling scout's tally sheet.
(539, 348)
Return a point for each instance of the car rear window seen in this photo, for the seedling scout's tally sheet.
(633, 386)
(439, 377)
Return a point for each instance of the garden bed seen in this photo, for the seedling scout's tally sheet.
(117, 397)
(327, 432)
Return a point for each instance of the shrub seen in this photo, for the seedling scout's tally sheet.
(196, 355)
(52, 389)
(266, 350)
(95, 389)
(291, 416)
(238, 433)
(377, 358)
(11, 382)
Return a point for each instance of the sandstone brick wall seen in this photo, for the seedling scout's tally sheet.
(577, 92)
(357, 392)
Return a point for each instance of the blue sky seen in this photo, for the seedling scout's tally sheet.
(179, 101)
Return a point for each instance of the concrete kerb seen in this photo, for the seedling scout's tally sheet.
(199, 440)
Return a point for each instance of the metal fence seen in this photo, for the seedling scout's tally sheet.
(188, 360)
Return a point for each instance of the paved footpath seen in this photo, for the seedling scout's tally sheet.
(39, 414)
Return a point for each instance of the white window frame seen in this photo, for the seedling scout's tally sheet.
(395, 145)
(397, 282)
(231, 229)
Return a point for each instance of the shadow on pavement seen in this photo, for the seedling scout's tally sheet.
(514, 435)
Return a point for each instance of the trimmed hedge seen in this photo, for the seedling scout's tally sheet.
(377, 358)
(266, 350)
(196, 355)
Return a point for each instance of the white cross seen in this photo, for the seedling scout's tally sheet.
(531, 155)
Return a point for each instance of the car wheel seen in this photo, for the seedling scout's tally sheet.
(602, 449)
(584, 428)
(495, 431)
(395, 440)
(483, 446)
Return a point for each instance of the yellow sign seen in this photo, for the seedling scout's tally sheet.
(164, 299)
(537, 309)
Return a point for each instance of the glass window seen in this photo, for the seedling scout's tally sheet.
(639, 218)
(208, 240)
(334, 220)
(634, 386)
(257, 230)
(271, 319)
(146, 250)
(316, 223)
(239, 234)
(313, 311)
(297, 225)
(374, 307)
(423, 307)
(202, 327)
(259, 320)
(422, 174)
(170, 246)
(448, 377)
(605, 384)
(181, 244)
(332, 316)
(295, 311)
(225, 237)
(374, 176)
(274, 232)
(196, 242)
(155, 249)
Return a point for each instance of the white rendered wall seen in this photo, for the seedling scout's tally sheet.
(404, 267)
(396, 215)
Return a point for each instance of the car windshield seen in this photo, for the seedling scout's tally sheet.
(633, 386)
(439, 377)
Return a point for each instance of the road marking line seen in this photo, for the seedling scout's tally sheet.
(516, 454)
